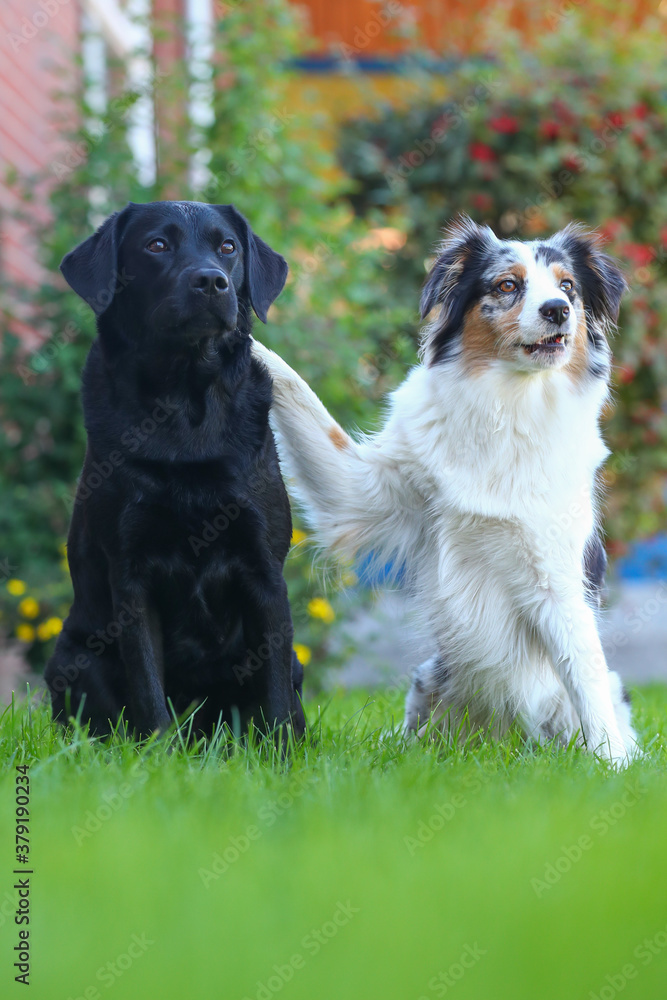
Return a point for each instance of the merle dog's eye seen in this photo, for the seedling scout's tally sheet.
(507, 285)
(228, 246)
(158, 246)
(567, 285)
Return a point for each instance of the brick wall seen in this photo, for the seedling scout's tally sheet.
(36, 38)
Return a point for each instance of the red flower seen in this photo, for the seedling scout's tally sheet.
(505, 124)
(640, 110)
(440, 126)
(638, 135)
(550, 130)
(482, 202)
(572, 163)
(641, 254)
(625, 374)
(563, 111)
(616, 119)
(481, 152)
(610, 229)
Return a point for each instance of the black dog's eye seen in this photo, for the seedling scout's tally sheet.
(567, 285)
(507, 285)
(158, 246)
(228, 246)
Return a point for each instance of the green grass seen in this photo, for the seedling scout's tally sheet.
(400, 858)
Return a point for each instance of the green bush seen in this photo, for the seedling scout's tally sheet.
(572, 128)
(348, 317)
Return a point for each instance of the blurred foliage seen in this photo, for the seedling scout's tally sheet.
(527, 140)
(573, 128)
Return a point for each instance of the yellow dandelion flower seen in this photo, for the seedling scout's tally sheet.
(320, 608)
(16, 587)
(304, 653)
(47, 629)
(298, 536)
(25, 633)
(55, 624)
(29, 607)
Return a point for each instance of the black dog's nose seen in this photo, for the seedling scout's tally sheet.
(210, 281)
(555, 311)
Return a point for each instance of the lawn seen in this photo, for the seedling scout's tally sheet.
(365, 869)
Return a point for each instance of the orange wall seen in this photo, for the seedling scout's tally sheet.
(390, 26)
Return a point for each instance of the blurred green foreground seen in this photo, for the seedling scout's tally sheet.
(368, 868)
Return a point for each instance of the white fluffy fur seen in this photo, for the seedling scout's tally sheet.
(483, 488)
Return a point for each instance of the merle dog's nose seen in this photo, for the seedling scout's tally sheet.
(555, 311)
(210, 281)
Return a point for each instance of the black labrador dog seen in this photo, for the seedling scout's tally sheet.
(181, 522)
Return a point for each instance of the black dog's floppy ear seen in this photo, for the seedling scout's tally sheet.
(450, 283)
(265, 270)
(602, 281)
(91, 268)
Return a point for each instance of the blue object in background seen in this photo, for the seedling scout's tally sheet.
(645, 560)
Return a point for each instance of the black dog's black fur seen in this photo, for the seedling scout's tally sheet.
(181, 523)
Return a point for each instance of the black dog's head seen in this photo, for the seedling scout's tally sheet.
(175, 270)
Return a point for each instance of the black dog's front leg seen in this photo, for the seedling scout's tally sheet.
(268, 635)
(140, 644)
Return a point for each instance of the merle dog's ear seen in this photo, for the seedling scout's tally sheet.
(601, 279)
(265, 270)
(463, 240)
(451, 283)
(91, 268)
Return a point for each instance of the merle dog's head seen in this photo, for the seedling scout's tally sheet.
(176, 272)
(544, 305)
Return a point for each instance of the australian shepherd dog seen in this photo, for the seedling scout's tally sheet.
(481, 486)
